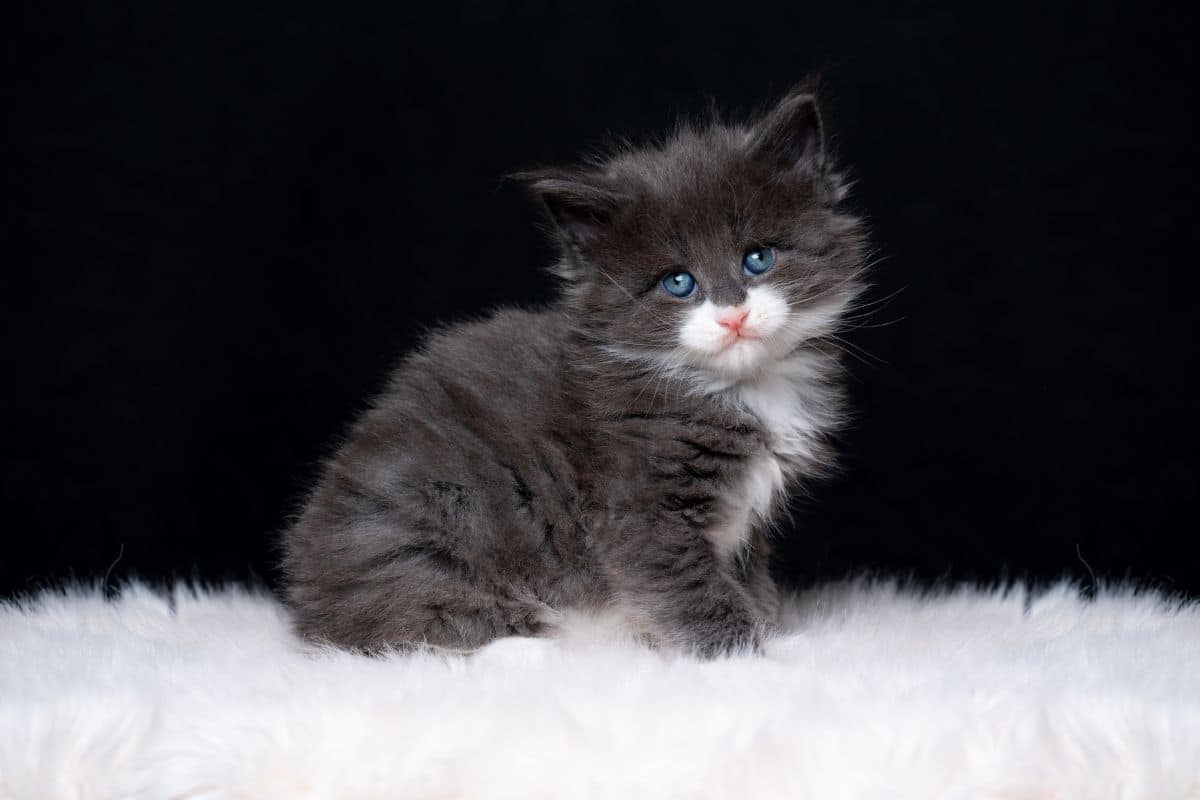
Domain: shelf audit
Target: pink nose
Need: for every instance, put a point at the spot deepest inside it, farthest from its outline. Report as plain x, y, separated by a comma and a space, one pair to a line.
733, 319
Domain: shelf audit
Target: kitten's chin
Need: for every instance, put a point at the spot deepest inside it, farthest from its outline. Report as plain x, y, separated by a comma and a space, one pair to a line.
741, 360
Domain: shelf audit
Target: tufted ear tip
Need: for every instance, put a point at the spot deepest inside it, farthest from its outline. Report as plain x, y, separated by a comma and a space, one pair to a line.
578, 203
791, 135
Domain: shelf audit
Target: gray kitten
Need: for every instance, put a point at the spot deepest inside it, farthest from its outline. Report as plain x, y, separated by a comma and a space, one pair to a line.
624, 450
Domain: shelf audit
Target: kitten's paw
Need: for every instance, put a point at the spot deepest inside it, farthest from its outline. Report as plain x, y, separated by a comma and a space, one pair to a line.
742, 639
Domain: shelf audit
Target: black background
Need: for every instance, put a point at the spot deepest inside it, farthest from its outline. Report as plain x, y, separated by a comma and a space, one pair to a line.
229, 219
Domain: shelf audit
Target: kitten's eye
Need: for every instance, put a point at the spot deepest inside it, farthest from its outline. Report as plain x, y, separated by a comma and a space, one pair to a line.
680, 284
758, 260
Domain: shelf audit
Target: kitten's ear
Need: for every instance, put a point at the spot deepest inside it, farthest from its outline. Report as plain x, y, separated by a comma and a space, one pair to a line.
579, 204
790, 136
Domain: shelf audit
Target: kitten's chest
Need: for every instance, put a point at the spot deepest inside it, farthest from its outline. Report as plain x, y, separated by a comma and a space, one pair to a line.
785, 405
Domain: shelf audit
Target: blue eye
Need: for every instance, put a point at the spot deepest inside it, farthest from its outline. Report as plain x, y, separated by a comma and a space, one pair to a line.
680, 284
758, 260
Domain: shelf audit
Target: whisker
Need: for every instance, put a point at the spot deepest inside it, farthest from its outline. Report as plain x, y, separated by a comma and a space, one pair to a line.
851, 325
873, 306
866, 357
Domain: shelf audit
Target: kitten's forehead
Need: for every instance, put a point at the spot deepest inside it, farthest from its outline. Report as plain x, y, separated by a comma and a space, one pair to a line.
703, 184
691, 162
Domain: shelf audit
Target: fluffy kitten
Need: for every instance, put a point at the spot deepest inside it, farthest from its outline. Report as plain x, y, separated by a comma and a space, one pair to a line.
624, 449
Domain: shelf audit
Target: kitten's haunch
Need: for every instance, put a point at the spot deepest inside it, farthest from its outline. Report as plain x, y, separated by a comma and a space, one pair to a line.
625, 449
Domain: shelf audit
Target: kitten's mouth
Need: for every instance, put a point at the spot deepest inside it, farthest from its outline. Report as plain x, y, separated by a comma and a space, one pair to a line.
739, 338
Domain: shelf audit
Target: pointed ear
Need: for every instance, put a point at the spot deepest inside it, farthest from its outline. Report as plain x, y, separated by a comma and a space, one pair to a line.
578, 203
790, 136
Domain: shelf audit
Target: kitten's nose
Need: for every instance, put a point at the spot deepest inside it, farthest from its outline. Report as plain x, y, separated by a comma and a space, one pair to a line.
733, 318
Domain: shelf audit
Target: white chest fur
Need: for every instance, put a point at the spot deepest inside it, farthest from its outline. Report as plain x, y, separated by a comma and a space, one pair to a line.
789, 403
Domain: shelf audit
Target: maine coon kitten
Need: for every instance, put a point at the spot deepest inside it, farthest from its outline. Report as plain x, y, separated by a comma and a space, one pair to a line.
624, 449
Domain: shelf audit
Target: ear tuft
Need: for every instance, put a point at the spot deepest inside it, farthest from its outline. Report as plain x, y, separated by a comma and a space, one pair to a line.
790, 136
579, 204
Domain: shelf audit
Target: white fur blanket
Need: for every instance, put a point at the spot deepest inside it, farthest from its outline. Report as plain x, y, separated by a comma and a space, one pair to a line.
874, 693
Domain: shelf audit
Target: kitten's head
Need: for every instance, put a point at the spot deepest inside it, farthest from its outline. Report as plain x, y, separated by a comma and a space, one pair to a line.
718, 253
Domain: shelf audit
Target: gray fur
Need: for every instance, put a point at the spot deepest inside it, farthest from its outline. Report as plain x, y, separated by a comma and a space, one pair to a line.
515, 467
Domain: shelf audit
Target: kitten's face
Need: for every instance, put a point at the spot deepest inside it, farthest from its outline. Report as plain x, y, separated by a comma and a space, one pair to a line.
718, 254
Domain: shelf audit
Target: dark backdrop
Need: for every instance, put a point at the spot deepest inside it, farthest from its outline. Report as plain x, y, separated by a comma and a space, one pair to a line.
228, 219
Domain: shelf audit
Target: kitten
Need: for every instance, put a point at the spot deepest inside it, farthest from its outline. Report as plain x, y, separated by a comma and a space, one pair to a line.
623, 450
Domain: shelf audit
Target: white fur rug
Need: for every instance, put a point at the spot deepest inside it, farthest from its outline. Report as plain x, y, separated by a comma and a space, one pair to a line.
875, 693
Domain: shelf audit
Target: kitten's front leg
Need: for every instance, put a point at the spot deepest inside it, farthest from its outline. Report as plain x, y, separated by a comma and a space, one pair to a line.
674, 578
754, 572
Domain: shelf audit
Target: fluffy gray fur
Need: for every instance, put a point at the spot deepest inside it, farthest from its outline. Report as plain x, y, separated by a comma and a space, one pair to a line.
572, 457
